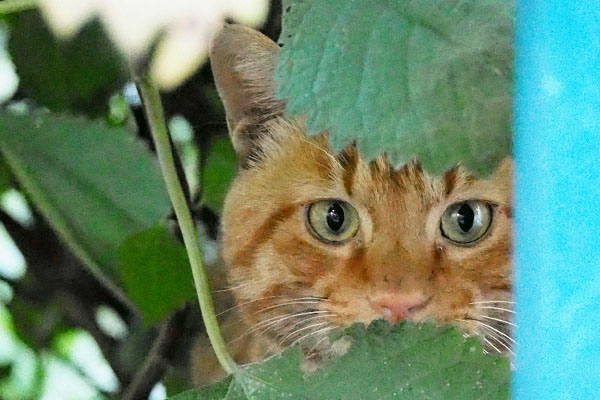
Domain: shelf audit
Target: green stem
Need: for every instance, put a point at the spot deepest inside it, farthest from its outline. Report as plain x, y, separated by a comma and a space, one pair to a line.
12, 6
156, 120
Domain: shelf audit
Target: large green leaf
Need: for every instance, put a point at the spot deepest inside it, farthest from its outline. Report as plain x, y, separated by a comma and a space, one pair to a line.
405, 361
218, 172
156, 272
5, 178
422, 78
217, 391
79, 74
95, 184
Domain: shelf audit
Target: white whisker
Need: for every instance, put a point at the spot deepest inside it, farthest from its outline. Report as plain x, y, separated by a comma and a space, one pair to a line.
492, 301
499, 309
501, 342
492, 328
314, 348
499, 320
303, 320
247, 302
507, 347
285, 317
283, 339
290, 303
267, 324
491, 344
232, 288
329, 328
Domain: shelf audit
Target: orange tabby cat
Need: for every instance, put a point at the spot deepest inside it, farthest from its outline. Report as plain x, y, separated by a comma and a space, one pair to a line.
315, 240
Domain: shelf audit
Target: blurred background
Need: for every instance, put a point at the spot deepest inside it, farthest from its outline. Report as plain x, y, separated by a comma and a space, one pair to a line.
66, 331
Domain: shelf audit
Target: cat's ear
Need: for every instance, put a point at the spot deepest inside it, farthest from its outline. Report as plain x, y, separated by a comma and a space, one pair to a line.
243, 65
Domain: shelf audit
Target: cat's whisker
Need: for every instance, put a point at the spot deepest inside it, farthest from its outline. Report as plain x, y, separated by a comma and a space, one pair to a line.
500, 341
492, 301
489, 331
498, 320
289, 303
258, 327
492, 328
317, 332
295, 332
279, 318
507, 347
304, 320
247, 302
499, 309
232, 288
485, 339
269, 323
314, 348
265, 324
270, 297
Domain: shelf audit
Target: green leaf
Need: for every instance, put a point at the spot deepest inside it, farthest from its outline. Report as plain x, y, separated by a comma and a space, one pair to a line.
431, 79
217, 391
79, 74
218, 172
5, 177
118, 110
156, 273
405, 361
96, 185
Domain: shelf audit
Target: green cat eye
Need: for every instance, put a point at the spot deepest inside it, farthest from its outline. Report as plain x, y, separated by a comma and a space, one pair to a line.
466, 222
332, 221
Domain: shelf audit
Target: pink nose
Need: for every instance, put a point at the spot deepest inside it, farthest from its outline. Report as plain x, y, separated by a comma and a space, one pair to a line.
396, 307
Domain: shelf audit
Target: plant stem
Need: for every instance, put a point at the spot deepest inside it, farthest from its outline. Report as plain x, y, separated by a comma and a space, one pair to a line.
12, 6
160, 135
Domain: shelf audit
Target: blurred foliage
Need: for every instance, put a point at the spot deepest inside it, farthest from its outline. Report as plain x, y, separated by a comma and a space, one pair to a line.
156, 273
217, 173
78, 75
77, 146
5, 177
118, 110
96, 184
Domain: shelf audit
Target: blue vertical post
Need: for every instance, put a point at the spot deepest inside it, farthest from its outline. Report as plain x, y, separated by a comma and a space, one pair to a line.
557, 176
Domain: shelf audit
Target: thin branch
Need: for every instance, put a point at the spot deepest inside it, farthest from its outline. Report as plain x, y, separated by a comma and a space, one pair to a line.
160, 356
158, 128
13, 6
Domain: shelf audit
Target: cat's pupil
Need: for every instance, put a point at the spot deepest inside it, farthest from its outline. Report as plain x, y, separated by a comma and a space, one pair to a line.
335, 217
465, 217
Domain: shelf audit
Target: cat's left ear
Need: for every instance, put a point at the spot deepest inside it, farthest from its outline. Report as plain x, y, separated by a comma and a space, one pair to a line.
243, 65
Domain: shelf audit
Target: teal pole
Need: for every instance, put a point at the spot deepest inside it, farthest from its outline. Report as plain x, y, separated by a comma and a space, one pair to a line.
557, 199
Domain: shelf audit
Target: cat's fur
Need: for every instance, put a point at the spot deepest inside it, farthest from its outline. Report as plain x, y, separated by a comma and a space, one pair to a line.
288, 284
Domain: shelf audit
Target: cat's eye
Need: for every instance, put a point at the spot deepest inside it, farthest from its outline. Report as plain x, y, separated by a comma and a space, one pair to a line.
333, 221
466, 222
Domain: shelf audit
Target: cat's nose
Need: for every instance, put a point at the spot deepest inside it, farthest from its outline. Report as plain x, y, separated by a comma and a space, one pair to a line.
397, 307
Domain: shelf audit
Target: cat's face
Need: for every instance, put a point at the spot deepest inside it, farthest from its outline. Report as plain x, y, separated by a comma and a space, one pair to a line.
316, 240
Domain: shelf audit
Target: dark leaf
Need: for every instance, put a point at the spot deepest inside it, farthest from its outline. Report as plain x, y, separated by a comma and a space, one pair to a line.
96, 185
79, 74
218, 172
156, 272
